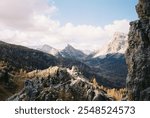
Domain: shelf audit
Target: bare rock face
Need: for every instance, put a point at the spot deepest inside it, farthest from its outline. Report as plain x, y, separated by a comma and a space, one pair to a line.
138, 54
143, 9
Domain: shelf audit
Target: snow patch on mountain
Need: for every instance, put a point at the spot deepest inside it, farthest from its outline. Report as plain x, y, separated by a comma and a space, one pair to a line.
119, 44
48, 49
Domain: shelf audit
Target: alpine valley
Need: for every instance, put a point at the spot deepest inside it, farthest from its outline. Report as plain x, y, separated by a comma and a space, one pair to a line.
46, 73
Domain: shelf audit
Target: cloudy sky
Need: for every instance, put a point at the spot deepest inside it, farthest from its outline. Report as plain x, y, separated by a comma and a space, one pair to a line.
85, 24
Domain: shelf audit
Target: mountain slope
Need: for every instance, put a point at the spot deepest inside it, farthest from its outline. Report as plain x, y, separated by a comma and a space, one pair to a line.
15, 61
57, 84
18, 60
25, 58
50, 50
117, 45
112, 68
71, 52
110, 61
20, 57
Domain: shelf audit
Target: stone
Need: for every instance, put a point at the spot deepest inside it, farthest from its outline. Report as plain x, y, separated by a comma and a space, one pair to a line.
143, 9
145, 94
59, 86
138, 54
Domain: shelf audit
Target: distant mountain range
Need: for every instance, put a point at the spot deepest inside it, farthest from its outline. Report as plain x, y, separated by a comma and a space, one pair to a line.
118, 44
109, 71
108, 61
68, 52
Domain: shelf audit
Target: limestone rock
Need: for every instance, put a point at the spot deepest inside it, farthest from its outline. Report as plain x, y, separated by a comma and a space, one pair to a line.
138, 54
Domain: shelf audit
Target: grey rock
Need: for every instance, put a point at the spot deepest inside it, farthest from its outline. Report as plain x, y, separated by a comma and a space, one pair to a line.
145, 94
102, 97
138, 54
61, 86
143, 8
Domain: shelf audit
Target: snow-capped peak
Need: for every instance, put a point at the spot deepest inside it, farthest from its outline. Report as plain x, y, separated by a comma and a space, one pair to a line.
117, 45
48, 49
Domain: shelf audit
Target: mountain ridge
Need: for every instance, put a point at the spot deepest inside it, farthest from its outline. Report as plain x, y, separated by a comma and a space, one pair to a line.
70, 52
50, 50
21, 60
63, 84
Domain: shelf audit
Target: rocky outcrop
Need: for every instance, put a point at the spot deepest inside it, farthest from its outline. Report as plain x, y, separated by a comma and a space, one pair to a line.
143, 9
56, 83
138, 54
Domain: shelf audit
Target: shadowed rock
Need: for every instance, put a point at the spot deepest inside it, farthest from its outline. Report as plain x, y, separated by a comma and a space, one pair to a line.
138, 54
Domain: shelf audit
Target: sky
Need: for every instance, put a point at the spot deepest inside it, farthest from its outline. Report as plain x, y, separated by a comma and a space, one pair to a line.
85, 24
95, 12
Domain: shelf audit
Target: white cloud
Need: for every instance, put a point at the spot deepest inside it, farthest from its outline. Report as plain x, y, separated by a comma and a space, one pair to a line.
117, 26
20, 13
29, 22
87, 36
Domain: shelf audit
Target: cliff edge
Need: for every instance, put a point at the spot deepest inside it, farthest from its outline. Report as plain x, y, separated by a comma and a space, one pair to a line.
138, 54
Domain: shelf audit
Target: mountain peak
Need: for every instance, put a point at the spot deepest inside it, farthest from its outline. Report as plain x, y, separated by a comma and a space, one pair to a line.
71, 52
117, 45
48, 49
46, 46
68, 47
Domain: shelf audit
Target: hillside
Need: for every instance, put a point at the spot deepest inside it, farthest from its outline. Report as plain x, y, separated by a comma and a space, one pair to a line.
16, 61
113, 67
25, 58
50, 50
109, 61
19, 57
61, 84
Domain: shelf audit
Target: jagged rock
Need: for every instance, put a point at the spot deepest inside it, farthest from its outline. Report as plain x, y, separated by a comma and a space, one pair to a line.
58, 84
145, 94
70, 52
102, 97
138, 54
90, 95
143, 9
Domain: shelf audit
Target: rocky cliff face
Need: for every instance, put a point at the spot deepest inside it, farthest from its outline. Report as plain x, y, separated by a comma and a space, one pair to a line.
138, 54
